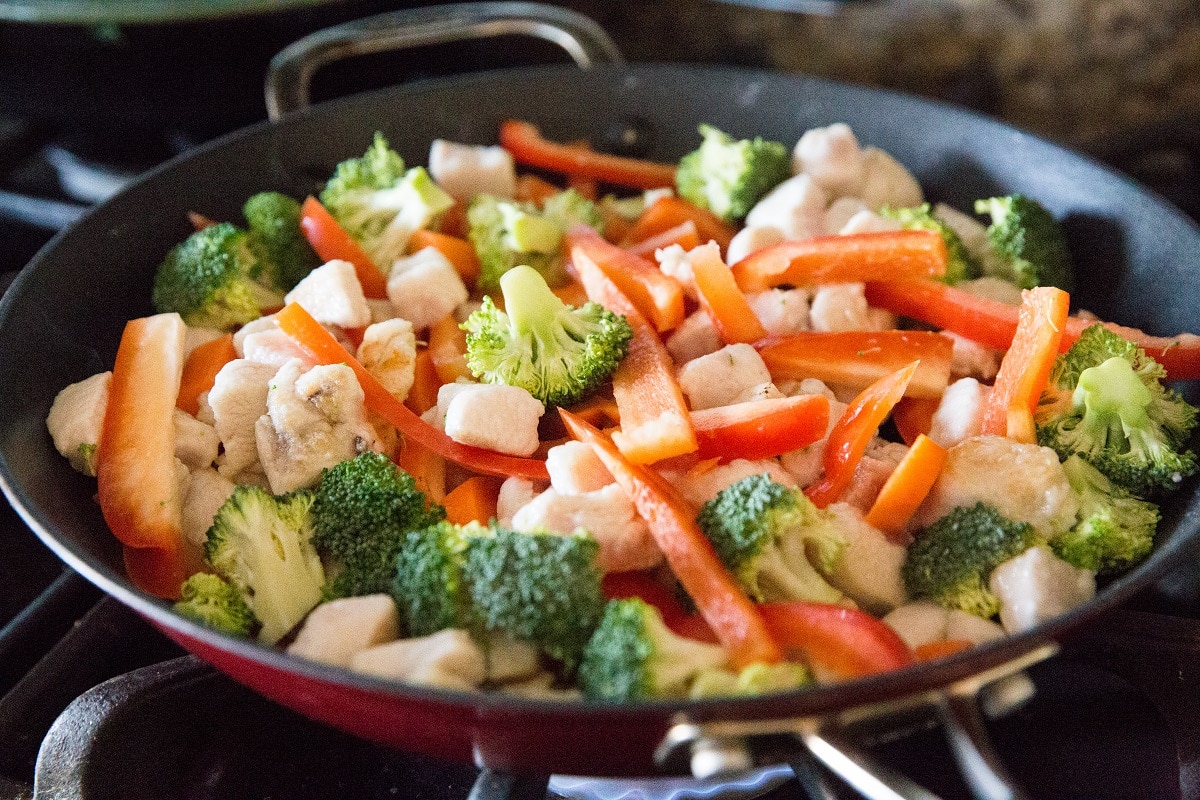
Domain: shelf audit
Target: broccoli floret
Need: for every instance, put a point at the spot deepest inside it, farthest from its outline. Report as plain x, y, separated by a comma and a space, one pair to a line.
634, 655
263, 546
1115, 530
380, 204
556, 352
214, 602
1028, 246
215, 279
769, 536
951, 560
364, 509
275, 231
429, 587
728, 176
537, 587
1106, 403
569, 208
960, 265
753, 680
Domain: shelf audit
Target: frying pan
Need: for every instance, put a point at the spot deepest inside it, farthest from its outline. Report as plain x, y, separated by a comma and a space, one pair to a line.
61, 321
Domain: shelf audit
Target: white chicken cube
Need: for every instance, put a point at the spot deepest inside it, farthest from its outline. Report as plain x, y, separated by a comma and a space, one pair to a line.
514, 493
274, 347
448, 659
918, 623
673, 262
315, 419
840, 307
970, 628
237, 399
511, 660
207, 491
841, 211
381, 310
575, 468
465, 170
959, 414
425, 287
196, 444
698, 487
970, 359
195, 336
831, 156
696, 336
718, 378
887, 182
495, 417
795, 207
869, 567
436, 416
607, 514
867, 221
1038, 585
266, 323
763, 391
970, 230
332, 294
751, 239
76, 419
333, 632
781, 311
389, 352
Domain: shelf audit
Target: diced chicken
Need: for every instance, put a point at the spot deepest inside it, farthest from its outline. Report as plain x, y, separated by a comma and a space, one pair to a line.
495, 417
806, 465
718, 378
436, 416
273, 347
335, 631
869, 477
970, 628
869, 567
970, 230
763, 391
751, 239
970, 359
831, 156
700, 486
575, 468
673, 262
795, 207
207, 491
238, 398
315, 419
992, 289
842, 307
1024, 482
425, 287
607, 514
696, 336
266, 323
381, 310
888, 182
781, 311
922, 622
509, 660
867, 221
196, 444
841, 211
76, 419
448, 659
389, 352
959, 414
652, 196
514, 493
465, 170
193, 337
332, 294
1038, 585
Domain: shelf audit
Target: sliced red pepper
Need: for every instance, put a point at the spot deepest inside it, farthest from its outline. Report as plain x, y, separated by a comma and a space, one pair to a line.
845, 641
885, 256
721, 298
527, 146
448, 349
324, 349
658, 296
200, 371
906, 488
761, 428
331, 241
685, 235
850, 436
672, 522
669, 212
913, 416
644, 586
858, 358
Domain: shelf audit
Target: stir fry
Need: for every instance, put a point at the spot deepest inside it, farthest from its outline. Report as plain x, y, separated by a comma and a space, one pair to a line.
546, 421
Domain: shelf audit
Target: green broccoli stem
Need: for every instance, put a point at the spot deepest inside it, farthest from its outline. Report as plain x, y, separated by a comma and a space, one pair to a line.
1113, 391
532, 308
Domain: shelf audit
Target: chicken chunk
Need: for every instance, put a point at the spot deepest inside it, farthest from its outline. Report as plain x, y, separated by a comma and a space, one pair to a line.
673, 262
315, 419
238, 398
575, 468
888, 182
959, 414
196, 336
970, 230
923, 622
207, 491
1038, 585
970, 359
448, 659
718, 378
273, 346
335, 631
700, 486
514, 493
266, 323
510, 660
841, 211
389, 352
781, 311
751, 239
495, 417
425, 287
76, 419
196, 444
696, 336
465, 170
831, 156
869, 567
867, 221
795, 207
841, 307
332, 294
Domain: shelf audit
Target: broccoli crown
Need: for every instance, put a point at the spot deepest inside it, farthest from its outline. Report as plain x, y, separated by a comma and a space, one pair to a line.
634, 655
536, 587
951, 560
380, 204
1029, 245
768, 535
215, 279
216, 603
728, 176
1115, 530
262, 545
961, 265
554, 351
363, 510
429, 587
569, 208
1107, 404
275, 232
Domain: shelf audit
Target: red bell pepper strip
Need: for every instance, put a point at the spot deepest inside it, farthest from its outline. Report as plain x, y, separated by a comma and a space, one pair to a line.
473, 500
850, 436
527, 146
761, 428
331, 241
913, 416
658, 296
1009, 409
906, 487
655, 423
858, 358
532, 189
932, 651
666, 213
672, 522
644, 586
845, 641
448, 349
685, 235
459, 252
324, 349
721, 298
885, 256
200, 371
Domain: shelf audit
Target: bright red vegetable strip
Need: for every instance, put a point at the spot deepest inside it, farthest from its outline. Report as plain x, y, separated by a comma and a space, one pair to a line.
527, 146
666, 213
320, 344
721, 298
761, 428
906, 487
200, 371
685, 235
658, 296
672, 522
645, 587
331, 241
850, 436
848, 642
886, 256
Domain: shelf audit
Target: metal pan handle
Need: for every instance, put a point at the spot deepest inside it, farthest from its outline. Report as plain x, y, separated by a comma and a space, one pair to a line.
291, 70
